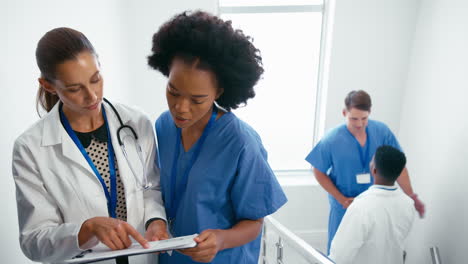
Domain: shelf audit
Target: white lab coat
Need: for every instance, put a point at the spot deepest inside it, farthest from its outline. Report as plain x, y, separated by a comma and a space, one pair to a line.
56, 189
374, 228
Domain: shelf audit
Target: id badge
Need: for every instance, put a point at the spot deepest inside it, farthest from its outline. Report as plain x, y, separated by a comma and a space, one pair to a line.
363, 178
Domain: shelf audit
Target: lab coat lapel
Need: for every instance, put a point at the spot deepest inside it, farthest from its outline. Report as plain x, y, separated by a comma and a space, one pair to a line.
54, 136
73, 153
54, 133
125, 172
114, 125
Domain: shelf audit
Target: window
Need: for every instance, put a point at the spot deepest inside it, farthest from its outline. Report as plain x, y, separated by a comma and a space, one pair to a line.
288, 35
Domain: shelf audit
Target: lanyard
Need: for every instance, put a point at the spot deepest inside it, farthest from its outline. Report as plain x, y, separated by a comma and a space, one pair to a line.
180, 187
363, 154
112, 196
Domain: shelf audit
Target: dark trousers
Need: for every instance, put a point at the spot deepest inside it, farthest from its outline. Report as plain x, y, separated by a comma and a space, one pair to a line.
121, 260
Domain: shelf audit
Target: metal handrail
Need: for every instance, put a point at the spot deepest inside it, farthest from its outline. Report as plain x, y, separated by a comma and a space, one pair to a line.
435, 255
310, 254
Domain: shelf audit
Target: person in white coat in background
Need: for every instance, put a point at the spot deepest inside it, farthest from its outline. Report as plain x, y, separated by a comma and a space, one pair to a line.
377, 223
76, 184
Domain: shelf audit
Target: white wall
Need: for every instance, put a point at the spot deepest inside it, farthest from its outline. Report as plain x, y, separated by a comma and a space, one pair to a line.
370, 51
434, 127
306, 213
121, 33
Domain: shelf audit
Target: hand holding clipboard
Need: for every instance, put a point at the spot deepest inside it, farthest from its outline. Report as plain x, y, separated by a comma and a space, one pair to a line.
102, 252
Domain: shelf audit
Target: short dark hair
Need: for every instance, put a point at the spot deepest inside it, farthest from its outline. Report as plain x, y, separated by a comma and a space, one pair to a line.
227, 52
358, 99
389, 162
55, 47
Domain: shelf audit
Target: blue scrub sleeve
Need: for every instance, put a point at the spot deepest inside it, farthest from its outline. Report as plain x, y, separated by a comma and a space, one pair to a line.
320, 157
255, 192
391, 140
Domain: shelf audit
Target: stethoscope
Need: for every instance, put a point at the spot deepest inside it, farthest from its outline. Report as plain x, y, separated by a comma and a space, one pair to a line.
133, 137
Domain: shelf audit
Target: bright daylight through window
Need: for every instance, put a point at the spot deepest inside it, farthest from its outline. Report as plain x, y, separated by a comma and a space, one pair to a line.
288, 34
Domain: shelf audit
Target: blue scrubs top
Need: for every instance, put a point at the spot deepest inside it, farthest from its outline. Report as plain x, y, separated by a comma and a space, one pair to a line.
230, 181
337, 155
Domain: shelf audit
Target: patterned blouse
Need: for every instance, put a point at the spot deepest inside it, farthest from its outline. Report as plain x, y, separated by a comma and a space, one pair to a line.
95, 144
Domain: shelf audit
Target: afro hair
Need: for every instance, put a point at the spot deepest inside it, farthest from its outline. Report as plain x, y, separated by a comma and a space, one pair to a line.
228, 53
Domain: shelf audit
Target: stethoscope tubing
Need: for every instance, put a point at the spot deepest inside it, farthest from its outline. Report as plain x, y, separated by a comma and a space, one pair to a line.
146, 184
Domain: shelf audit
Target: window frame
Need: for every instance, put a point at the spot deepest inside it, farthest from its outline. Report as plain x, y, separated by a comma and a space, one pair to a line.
327, 10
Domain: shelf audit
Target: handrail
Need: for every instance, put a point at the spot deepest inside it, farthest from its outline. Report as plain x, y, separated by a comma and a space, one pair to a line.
309, 253
435, 256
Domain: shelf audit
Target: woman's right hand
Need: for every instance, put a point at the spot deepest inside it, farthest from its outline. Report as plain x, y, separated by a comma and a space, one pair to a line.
112, 232
346, 201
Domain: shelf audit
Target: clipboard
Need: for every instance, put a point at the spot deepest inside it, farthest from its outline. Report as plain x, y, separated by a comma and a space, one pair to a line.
102, 252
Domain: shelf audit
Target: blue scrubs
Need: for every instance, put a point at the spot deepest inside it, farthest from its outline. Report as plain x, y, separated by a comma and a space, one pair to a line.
230, 181
338, 156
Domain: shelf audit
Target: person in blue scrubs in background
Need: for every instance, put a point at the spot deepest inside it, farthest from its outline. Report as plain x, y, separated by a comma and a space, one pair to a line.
215, 177
341, 158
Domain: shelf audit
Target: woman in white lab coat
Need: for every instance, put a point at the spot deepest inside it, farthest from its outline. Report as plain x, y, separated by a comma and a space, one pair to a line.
70, 196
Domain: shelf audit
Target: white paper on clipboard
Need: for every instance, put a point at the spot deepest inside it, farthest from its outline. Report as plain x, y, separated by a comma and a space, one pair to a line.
102, 252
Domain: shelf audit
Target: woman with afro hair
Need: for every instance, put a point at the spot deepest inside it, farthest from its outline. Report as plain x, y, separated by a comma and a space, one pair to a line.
215, 177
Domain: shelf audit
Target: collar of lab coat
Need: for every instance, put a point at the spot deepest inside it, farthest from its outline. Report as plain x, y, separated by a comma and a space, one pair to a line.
54, 133
384, 188
380, 190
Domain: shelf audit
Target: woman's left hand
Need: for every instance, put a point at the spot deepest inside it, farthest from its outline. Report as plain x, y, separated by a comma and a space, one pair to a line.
209, 242
157, 230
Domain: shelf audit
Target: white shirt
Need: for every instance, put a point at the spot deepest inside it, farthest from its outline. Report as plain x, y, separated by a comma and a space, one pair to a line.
374, 228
